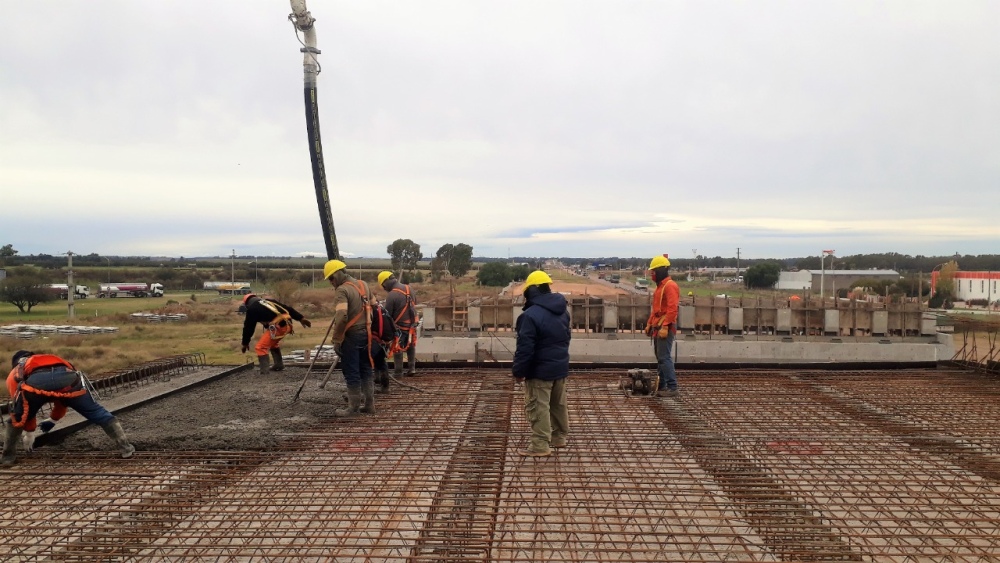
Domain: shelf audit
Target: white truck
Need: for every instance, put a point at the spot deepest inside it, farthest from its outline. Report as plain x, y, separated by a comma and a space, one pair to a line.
228, 288
62, 290
130, 290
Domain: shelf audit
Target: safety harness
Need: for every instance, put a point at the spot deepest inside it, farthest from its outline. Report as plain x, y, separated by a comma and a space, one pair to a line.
408, 309
365, 313
409, 327
45, 375
281, 320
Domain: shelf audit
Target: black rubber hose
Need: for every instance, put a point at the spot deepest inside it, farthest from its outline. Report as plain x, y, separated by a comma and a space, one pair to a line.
319, 174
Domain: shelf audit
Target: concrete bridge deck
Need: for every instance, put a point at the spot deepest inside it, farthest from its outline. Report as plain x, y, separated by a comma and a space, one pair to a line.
746, 465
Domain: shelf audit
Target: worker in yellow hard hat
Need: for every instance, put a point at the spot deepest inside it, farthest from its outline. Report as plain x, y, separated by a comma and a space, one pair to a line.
352, 337
541, 361
401, 304
662, 323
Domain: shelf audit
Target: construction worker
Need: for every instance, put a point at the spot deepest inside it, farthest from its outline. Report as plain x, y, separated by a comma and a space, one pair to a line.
37, 379
662, 324
401, 305
277, 321
541, 361
352, 337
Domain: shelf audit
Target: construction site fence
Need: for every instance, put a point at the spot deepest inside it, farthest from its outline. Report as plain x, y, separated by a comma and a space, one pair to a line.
699, 315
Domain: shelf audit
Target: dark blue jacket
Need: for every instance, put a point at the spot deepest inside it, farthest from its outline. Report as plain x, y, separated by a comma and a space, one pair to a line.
543, 339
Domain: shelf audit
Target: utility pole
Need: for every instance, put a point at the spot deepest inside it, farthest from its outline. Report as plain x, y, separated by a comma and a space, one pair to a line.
70, 287
232, 268
737, 261
822, 270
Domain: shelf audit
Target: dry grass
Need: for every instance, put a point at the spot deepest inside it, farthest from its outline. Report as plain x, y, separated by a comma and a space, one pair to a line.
212, 328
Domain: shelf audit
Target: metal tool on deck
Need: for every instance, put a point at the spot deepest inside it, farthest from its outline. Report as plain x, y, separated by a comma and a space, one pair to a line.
640, 382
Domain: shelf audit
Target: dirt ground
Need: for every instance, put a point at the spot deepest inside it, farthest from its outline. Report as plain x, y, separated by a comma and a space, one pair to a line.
574, 288
243, 411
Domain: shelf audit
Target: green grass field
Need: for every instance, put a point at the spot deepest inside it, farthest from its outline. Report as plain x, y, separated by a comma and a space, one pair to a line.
213, 328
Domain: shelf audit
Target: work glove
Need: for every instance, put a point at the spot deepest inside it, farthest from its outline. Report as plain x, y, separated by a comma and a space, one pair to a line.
666, 330
244, 348
338, 349
46, 425
306, 323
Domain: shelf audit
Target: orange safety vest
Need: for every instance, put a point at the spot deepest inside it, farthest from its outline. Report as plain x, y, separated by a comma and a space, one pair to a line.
664, 306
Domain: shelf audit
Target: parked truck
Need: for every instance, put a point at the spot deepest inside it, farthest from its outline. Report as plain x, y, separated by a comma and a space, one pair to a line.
62, 291
130, 290
229, 288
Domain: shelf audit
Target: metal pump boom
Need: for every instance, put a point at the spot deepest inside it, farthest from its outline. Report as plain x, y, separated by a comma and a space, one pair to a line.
304, 24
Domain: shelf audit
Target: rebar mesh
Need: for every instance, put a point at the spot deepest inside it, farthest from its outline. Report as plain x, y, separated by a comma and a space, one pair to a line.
743, 466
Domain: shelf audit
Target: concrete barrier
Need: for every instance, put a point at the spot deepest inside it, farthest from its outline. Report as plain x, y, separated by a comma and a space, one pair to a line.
616, 348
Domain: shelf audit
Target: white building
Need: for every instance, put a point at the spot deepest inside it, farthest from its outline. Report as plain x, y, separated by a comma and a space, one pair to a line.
830, 280
794, 281
972, 285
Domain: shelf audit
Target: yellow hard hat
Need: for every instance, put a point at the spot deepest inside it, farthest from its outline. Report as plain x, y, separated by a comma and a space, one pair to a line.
659, 261
332, 267
690, 293
537, 277
382, 276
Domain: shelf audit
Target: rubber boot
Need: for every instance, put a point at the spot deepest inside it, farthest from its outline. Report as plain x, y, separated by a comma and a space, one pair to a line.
115, 431
265, 364
368, 387
279, 362
10, 438
397, 365
353, 402
383, 380
411, 368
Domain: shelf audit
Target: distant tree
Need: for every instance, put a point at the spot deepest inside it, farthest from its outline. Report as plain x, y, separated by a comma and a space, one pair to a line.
461, 260
912, 286
439, 264
946, 280
494, 274
412, 277
881, 286
22, 288
456, 259
6, 251
191, 280
405, 254
761, 276
285, 291
519, 273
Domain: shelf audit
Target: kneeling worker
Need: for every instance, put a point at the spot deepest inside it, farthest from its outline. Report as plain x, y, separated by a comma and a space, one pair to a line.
37, 379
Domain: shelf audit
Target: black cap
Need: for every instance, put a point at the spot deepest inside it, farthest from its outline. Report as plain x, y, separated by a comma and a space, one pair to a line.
18, 355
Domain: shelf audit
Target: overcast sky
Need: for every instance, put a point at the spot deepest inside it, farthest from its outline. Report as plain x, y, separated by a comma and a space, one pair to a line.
536, 128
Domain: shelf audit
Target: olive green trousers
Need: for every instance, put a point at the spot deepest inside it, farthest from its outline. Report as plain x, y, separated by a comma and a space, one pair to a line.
545, 409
